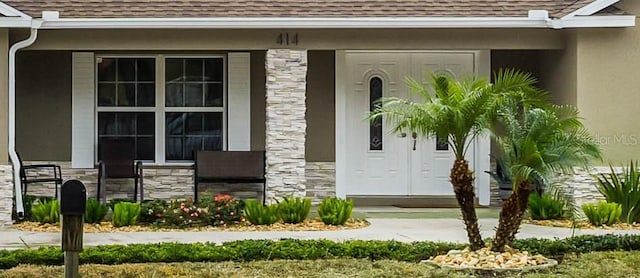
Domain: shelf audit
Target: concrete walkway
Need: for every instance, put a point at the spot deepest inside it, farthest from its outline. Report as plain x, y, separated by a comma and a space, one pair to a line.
406, 230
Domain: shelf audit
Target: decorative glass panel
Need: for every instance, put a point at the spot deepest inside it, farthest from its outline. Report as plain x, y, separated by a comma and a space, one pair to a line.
139, 125
375, 126
191, 131
441, 144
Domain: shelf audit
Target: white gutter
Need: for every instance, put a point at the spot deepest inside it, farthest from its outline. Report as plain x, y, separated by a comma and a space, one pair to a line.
313, 23
12, 112
596, 21
295, 22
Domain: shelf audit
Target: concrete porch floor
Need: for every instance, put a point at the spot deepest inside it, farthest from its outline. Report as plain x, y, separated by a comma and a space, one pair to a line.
398, 212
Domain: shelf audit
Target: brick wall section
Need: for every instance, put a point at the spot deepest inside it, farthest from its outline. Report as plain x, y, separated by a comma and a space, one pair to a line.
286, 71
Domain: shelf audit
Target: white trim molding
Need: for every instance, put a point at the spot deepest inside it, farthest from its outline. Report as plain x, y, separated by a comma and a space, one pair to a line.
9, 11
592, 8
239, 101
315, 23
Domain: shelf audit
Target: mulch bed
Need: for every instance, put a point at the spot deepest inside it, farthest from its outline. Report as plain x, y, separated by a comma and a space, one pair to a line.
107, 227
581, 225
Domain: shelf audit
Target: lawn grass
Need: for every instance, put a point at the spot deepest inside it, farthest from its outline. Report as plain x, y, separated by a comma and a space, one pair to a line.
599, 264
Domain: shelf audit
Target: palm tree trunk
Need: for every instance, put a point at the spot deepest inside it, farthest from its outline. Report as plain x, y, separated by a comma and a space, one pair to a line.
511, 216
462, 181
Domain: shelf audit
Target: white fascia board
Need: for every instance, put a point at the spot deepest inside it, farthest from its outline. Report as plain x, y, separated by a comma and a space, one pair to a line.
596, 21
9, 11
303, 23
592, 8
15, 22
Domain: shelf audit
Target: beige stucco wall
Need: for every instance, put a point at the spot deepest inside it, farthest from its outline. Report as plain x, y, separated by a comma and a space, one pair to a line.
608, 87
43, 105
555, 70
4, 96
258, 102
43, 119
558, 71
308, 39
320, 140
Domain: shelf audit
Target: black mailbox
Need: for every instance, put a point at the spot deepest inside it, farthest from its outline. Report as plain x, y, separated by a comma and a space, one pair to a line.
73, 198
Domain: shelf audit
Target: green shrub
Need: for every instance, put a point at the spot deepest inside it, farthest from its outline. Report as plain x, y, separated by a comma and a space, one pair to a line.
184, 213
294, 210
112, 203
334, 211
27, 202
258, 214
46, 211
623, 190
602, 214
547, 206
151, 211
294, 249
225, 210
95, 211
125, 214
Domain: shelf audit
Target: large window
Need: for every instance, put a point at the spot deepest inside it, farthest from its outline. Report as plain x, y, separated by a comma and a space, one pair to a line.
179, 111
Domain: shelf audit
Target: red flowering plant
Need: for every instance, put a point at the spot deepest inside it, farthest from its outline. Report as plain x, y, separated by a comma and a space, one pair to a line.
184, 213
225, 211
152, 210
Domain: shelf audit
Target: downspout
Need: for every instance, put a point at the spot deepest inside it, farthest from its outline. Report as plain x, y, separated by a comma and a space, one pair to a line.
35, 24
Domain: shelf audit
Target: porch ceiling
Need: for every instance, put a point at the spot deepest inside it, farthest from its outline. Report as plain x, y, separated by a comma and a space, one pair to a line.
295, 8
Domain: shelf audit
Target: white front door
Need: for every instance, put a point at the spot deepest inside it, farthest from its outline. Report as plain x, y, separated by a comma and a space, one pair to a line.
380, 162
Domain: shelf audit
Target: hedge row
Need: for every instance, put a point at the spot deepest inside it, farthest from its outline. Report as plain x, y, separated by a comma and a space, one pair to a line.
251, 250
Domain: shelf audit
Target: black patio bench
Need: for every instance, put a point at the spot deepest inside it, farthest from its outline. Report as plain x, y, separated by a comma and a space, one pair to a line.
229, 167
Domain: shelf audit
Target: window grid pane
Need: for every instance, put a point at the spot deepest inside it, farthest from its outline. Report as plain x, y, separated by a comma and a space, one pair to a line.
194, 82
137, 125
191, 131
126, 82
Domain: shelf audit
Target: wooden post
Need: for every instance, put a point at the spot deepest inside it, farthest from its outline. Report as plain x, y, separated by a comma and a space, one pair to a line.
73, 198
71, 243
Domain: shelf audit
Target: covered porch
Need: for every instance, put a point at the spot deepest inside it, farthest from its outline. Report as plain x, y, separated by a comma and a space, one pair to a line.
283, 91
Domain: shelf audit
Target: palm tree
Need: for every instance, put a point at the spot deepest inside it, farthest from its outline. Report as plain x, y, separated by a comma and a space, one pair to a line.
458, 111
536, 142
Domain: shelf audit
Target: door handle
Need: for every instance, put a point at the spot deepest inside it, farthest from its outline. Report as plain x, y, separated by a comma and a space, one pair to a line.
414, 135
402, 135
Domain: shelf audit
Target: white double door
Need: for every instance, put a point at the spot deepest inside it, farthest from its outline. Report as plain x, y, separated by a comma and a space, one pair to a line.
383, 163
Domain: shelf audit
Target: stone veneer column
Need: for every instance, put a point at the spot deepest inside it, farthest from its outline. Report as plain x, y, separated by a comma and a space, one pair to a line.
6, 195
286, 71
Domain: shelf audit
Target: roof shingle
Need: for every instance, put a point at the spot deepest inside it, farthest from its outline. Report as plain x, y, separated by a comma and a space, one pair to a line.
294, 8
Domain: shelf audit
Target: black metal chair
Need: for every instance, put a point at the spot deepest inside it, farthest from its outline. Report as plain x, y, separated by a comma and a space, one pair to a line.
54, 174
117, 161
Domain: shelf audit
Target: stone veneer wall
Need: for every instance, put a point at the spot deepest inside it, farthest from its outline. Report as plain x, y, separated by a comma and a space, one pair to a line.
177, 182
321, 180
173, 183
6, 194
495, 200
582, 185
159, 183
286, 72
